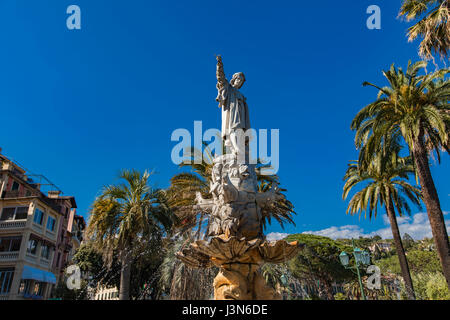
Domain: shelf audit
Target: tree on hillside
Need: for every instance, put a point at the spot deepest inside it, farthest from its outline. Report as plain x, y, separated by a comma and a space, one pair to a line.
418, 261
408, 241
319, 260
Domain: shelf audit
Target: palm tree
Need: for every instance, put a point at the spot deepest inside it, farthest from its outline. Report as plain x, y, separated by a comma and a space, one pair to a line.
122, 215
183, 188
433, 25
181, 282
384, 183
417, 108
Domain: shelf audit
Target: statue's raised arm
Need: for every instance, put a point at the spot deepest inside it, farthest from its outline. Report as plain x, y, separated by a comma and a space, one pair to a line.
220, 74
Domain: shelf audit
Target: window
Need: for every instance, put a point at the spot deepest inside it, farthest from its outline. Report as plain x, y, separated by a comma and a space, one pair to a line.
17, 213
6, 276
8, 213
21, 213
25, 286
39, 288
45, 251
15, 186
32, 246
51, 223
38, 216
10, 244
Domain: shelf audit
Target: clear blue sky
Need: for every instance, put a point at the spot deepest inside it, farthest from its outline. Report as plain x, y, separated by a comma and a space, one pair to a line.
78, 106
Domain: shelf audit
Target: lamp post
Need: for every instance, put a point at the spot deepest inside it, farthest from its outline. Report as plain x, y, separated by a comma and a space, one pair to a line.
362, 258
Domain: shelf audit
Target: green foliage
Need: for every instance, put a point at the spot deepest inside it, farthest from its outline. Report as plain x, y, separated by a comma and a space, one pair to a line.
383, 179
340, 296
376, 238
430, 286
126, 211
274, 273
180, 282
90, 261
64, 293
433, 25
147, 259
319, 259
418, 261
361, 242
411, 105
127, 222
437, 288
408, 241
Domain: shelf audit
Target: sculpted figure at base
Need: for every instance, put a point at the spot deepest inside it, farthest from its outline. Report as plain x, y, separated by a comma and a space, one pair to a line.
236, 242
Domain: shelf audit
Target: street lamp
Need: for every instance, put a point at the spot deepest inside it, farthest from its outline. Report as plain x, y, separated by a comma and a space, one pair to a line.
357, 252
362, 258
366, 258
344, 258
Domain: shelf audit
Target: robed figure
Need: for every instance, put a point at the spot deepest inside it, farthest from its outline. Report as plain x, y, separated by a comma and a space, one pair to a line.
235, 113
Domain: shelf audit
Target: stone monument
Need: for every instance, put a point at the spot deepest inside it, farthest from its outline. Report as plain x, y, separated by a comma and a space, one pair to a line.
236, 243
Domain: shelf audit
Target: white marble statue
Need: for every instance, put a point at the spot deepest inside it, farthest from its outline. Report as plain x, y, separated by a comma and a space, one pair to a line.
235, 113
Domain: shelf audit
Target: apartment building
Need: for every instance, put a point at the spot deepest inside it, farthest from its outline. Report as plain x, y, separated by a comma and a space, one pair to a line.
76, 228
34, 237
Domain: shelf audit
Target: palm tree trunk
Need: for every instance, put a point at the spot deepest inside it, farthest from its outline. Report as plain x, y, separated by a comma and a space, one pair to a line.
434, 211
125, 276
399, 247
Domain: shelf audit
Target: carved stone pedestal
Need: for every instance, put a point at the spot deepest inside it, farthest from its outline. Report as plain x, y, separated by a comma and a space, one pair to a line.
239, 263
242, 282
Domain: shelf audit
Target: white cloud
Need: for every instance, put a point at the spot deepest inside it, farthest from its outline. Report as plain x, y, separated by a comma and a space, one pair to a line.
276, 236
349, 231
416, 226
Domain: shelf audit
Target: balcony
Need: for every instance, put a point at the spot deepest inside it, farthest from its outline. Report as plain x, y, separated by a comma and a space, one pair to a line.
9, 256
30, 257
44, 262
50, 234
38, 228
12, 224
17, 194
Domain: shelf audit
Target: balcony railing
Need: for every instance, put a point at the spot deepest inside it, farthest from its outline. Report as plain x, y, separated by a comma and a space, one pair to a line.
12, 224
50, 234
4, 296
44, 262
9, 256
18, 194
30, 257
